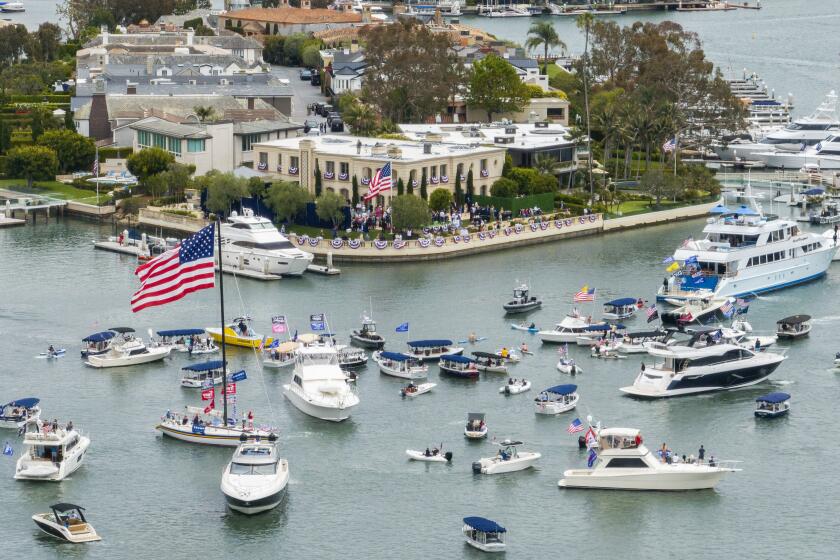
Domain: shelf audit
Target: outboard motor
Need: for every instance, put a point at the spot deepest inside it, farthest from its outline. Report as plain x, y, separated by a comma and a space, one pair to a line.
507, 389
448, 456
476, 467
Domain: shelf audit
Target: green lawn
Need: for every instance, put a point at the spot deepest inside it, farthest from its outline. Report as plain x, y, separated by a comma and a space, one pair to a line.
54, 189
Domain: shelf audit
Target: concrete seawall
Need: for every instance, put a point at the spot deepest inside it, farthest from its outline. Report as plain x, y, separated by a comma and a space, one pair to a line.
663, 216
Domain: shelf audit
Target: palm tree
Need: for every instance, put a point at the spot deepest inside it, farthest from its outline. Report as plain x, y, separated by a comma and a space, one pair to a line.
203, 113
546, 163
584, 22
542, 34
606, 121
362, 118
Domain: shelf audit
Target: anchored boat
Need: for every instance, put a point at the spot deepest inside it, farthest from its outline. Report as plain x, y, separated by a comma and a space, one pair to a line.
239, 333
66, 522
772, 405
19, 413
256, 478
203, 375
522, 301
52, 452
508, 459
458, 366
557, 399
429, 350
367, 337
484, 534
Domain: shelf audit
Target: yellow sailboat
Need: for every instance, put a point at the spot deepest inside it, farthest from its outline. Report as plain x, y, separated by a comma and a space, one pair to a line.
238, 333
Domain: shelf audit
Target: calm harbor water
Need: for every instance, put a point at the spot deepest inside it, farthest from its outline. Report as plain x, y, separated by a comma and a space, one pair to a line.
353, 494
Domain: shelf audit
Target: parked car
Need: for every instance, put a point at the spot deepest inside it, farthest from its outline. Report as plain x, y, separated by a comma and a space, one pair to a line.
337, 125
305, 74
310, 124
333, 115
315, 80
325, 109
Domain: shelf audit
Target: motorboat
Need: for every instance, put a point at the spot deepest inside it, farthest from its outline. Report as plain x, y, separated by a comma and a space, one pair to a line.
620, 309
795, 326
429, 350
476, 427
568, 365
415, 390
349, 357
239, 333
203, 375
458, 366
434, 455
749, 338
684, 370
484, 534
508, 356
256, 478
206, 426
634, 342
66, 522
607, 350
592, 334
557, 399
400, 365
507, 459
522, 301
698, 312
745, 252
191, 341
515, 386
279, 355
367, 337
253, 243
772, 405
525, 326
318, 386
489, 362
18, 413
10, 7
508, 12
97, 343
824, 156
127, 350
622, 462
572, 326
52, 452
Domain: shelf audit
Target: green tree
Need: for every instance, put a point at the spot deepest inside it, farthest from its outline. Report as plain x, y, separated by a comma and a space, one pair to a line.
69, 124
44, 43
13, 42
659, 185
148, 162
355, 194
542, 34
508, 165
287, 199
547, 163
310, 56
495, 87
459, 192
222, 190
400, 187
318, 186
171, 182
470, 185
293, 47
5, 136
523, 177
409, 212
361, 118
424, 194
410, 188
504, 188
440, 200
330, 207
204, 113
543, 183
41, 119
273, 49
74, 151
584, 22
33, 163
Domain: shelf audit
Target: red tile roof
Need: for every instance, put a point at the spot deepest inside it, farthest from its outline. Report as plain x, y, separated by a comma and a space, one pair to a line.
294, 15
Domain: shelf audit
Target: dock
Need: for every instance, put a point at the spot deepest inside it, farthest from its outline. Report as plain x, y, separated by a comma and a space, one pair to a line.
9, 222
115, 247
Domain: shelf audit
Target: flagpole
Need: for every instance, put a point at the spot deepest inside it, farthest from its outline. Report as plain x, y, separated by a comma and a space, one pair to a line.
222, 314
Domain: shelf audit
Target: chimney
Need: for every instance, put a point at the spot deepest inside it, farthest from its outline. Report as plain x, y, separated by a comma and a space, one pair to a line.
100, 125
346, 51
104, 30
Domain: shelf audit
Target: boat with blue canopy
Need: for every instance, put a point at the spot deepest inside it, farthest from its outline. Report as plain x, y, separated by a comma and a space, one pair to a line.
484, 534
400, 365
192, 341
772, 405
97, 343
432, 349
621, 308
19, 412
458, 366
203, 375
557, 399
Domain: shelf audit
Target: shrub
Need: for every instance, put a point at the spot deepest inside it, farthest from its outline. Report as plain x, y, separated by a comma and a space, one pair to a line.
504, 188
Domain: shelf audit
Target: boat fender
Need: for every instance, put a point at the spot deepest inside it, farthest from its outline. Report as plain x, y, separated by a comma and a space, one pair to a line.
272, 437
243, 437
476, 467
448, 456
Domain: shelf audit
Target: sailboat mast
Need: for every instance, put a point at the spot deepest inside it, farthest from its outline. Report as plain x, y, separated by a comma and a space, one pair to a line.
222, 313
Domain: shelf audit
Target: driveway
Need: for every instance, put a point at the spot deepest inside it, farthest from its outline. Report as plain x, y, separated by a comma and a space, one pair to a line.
304, 93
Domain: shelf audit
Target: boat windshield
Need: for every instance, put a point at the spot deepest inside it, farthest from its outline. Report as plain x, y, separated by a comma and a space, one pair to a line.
243, 469
267, 245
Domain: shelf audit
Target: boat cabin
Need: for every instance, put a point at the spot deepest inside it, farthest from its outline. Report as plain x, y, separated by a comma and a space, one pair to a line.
429, 349
772, 405
793, 326
183, 337
561, 394
50, 444
241, 326
489, 359
484, 534
619, 438
475, 421
203, 375
20, 410
281, 352
368, 327
351, 357
621, 308
255, 458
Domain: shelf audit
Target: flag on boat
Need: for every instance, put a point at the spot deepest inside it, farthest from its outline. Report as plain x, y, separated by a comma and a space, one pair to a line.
728, 308
231, 389
274, 344
380, 182
590, 437
262, 344
673, 267
208, 394
294, 338
317, 322
209, 407
575, 427
743, 306
686, 317
670, 145
180, 271
402, 328
585, 294
652, 313
691, 260
278, 324
592, 458
7, 450
696, 273
668, 260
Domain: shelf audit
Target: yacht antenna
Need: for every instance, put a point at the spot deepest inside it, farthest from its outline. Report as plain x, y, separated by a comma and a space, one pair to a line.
222, 308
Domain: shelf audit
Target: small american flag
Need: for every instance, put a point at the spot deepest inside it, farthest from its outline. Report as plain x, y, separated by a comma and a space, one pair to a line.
670, 145
585, 294
96, 165
652, 313
575, 427
381, 181
180, 271
727, 308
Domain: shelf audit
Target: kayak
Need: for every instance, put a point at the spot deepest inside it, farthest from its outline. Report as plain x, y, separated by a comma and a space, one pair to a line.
479, 339
421, 456
526, 328
515, 389
51, 356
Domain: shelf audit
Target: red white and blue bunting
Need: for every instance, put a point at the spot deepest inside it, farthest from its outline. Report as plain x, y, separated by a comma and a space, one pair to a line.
380, 244
354, 243
399, 244
439, 241
423, 242
337, 243
313, 241
302, 239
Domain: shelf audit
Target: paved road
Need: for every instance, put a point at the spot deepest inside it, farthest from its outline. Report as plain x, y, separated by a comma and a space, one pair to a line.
304, 92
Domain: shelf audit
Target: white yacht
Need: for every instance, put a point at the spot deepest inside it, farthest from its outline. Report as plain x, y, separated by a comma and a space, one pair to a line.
9, 7
745, 252
507, 459
127, 350
253, 243
206, 426
683, 370
255, 480
53, 452
825, 155
189, 341
572, 326
624, 463
318, 386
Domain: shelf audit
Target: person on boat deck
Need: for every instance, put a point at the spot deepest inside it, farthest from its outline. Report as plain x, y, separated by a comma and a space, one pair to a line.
472, 338
638, 440
511, 381
243, 328
428, 453
701, 453
196, 420
69, 425
532, 325
51, 350
504, 353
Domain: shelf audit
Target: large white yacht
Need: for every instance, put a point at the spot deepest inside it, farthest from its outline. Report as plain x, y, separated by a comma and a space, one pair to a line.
685, 370
255, 479
253, 243
745, 252
53, 453
624, 463
825, 155
318, 386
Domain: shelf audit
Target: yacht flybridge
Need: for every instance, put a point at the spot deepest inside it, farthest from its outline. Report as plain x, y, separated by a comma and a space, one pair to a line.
254, 243
745, 252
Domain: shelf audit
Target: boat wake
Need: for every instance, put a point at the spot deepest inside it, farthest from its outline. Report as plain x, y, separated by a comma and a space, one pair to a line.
783, 382
826, 319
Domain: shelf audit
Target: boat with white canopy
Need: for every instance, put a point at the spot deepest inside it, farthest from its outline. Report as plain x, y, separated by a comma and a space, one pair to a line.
127, 350
350, 357
484, 534
203, 375
490, 362
191, 341
557, 399
279, 354
400, 365
20, 412
795, 326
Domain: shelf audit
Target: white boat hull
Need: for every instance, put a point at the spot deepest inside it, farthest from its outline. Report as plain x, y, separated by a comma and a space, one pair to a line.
42, 470
212, 435
477, 434
421, 389
525, 460
421, 456
251, 497
329, 413
638, 479
107, 361
558, 338
515, 389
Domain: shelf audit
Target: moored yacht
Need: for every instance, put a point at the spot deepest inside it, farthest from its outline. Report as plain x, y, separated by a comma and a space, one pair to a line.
572, 326
318, 387
206, 426
254, 243
430, 350
97, 343
256, 478
127, 350
53, 452
400, 365
823, 156
191, 341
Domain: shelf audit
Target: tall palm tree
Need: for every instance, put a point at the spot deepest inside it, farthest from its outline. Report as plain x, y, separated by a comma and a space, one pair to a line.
362, 118
584, 22
542, 34
606, 121
547, 163
203, 113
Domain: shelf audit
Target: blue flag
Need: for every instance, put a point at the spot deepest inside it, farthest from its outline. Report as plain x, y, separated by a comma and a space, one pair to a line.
667, 260
691, 260
7, 450
402, 328
592, 458
317, 322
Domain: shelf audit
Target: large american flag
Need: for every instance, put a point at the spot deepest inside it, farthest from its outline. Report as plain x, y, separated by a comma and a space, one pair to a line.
585, 294
575, 427
180, 271
381, 182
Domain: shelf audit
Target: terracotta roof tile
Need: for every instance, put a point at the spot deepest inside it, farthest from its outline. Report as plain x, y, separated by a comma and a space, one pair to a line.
294, 15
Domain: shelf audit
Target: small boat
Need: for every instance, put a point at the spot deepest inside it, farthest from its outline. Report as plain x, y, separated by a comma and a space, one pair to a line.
568, 365
318, 386
795, 326
126, 350
427, 350
200, 425
191, 341
620, 309
525, 326
239, 333
203, 375
66, 522
697, 312
758, 342
367, 337
458, 366
557, 399
567, 330
430, 456
279, 355
508, 459
97, 343
400, 365
607, 351
508, 356
472, 339
411, 390
490, 362
19, 413
522, 301
255, 480
515, 386
602, 331
349, 357
634, 342
484, 534
772, 405
53, 354
53, 452
476, 428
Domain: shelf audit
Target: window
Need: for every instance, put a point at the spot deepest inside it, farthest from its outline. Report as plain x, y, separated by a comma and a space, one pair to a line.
263, 158
555, 112
330, 167
344, 168
293, 162
626, 463
195, 145
247, 140
174, 145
